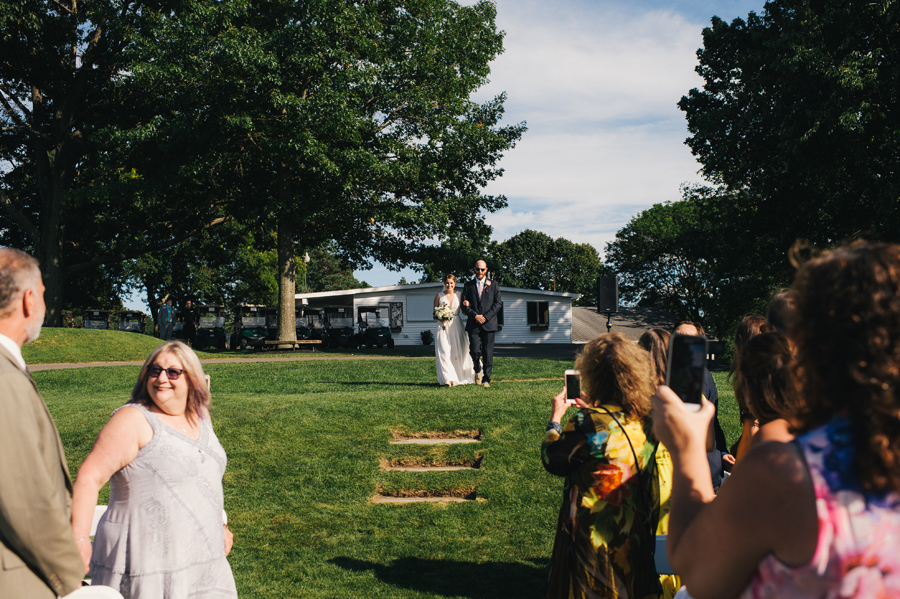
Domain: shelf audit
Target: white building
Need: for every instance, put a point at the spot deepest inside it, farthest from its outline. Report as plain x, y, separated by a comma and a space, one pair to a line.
529, 315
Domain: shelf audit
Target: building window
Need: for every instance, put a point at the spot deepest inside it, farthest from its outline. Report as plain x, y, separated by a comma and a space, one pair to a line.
538, 314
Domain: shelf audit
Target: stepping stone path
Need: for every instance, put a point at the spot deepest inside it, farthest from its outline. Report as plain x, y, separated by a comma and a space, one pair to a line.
425, 440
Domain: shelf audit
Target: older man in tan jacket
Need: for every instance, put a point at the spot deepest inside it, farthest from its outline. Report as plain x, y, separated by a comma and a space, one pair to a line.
38, 556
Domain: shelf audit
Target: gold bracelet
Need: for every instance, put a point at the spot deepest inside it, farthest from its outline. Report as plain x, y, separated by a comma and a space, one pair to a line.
82, 539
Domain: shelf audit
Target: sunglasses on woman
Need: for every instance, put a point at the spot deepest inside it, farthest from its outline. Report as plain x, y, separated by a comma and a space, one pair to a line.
173, 373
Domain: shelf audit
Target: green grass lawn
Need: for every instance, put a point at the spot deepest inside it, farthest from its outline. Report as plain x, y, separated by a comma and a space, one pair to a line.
305, 442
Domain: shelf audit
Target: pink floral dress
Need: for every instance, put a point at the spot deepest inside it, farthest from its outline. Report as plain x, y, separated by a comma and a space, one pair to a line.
858, 551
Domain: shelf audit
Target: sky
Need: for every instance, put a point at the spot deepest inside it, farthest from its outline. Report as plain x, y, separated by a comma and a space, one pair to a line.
597, 82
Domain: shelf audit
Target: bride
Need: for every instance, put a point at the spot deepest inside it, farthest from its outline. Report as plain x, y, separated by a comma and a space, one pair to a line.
451, 347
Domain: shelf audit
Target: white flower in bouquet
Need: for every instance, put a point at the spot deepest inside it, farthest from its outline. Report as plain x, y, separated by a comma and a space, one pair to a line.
444, 314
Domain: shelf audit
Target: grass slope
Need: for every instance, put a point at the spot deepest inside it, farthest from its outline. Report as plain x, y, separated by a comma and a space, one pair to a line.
305, 442
78, 346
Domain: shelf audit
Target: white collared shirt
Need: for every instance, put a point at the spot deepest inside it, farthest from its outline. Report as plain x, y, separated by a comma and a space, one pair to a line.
13, 348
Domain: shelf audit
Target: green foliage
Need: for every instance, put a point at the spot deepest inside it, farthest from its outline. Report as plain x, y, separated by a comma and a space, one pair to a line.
698, 258
70, 189
797, 123
534, 260
326, 271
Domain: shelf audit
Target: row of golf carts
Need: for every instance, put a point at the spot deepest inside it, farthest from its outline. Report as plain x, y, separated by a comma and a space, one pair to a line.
254, 325
333, 326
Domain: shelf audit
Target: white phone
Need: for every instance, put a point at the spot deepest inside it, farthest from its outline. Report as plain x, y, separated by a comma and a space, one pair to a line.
573, 385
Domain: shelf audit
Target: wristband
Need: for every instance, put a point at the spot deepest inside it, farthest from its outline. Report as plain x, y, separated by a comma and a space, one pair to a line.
554, 426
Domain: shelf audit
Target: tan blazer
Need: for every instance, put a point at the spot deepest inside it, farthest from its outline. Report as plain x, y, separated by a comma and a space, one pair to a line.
38, 556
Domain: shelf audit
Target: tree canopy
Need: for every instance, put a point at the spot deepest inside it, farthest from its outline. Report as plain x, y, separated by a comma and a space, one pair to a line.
534, 260
797, 129
799, 108
319, 121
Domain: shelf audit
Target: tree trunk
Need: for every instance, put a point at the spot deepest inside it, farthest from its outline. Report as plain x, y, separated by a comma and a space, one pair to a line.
153, 304
287, 280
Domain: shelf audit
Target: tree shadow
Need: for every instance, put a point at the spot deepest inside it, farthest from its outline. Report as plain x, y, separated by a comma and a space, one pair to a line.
458, 579
384, 383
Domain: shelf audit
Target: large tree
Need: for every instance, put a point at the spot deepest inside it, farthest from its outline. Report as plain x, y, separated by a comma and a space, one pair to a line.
340, 121
69, 191
799, 107
534, 260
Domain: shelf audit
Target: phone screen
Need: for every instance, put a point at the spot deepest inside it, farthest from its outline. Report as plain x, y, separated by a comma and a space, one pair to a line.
573, 384
686, 366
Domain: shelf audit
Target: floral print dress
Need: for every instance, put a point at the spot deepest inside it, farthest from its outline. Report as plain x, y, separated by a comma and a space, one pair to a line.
858, 550
608, 519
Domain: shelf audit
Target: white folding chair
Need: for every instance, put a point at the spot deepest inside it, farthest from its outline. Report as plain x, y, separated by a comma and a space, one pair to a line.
97, 592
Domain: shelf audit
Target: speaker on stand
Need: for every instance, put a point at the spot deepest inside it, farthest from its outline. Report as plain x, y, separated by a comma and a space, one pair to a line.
607, 298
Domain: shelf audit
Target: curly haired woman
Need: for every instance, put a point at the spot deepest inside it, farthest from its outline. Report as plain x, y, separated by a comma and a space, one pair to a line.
819, 517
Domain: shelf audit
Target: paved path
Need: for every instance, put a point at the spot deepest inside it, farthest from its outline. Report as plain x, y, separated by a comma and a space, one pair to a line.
551, 351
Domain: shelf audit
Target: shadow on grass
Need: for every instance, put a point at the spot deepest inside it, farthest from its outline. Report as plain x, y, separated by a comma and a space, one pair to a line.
383, 383
458, 579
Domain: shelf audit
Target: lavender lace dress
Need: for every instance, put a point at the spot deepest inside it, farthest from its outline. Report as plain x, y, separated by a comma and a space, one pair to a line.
162, 536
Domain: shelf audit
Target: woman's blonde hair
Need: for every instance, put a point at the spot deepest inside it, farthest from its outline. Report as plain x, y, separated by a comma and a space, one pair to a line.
198, 393
614, 370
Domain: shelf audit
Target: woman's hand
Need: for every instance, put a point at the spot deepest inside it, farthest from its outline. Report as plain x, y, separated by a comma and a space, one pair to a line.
559, 405
678, 428
229, 540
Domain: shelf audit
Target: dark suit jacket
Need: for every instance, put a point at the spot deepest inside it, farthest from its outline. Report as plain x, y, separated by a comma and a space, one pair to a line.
488, 305
714, 457
38, 556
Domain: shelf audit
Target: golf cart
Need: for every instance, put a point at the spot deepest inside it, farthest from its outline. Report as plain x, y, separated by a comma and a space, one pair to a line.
302, 324
315, 321
96, 319
133, 321
249, 327
339, 330
374, 326
271, 322
210, 327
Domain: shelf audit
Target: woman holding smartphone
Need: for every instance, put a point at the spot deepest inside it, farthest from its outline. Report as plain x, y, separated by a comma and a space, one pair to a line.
607, 521
819, 517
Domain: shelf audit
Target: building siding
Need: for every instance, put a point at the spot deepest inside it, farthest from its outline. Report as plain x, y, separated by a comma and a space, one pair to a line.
421, 297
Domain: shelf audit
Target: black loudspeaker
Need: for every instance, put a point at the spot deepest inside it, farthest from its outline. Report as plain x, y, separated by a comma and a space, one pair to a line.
607, 295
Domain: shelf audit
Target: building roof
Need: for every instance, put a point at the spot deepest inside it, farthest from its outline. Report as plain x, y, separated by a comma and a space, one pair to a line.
587, 324
417, 286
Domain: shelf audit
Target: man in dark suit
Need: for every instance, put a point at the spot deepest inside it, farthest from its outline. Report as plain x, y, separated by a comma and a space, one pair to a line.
481, 304
38, 554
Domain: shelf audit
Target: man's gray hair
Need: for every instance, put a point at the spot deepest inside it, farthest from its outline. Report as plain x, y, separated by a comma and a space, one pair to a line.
18, 272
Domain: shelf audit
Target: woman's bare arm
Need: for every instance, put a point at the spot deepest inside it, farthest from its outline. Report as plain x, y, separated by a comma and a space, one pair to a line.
767, 506
116, 446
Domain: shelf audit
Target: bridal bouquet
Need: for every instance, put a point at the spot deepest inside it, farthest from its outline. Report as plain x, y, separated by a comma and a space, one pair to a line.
444, 314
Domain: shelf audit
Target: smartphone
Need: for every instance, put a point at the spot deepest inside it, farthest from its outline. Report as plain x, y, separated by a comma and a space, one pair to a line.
573, 385
686, 367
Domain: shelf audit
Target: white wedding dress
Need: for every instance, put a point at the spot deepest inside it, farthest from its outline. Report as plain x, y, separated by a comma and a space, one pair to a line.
451, 346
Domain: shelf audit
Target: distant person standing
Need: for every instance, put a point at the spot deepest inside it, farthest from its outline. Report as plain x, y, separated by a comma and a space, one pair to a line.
189, 318
166, 320
38, 555
482, 304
